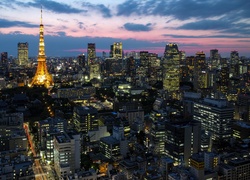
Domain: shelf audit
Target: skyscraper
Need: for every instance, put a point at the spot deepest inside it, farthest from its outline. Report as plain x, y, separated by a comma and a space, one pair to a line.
200, 71
171, 70
23, 56
154, 69
42, 76
4, 57
116, 50
234, 57
144, 63
214, 58
131, 66
234, 63
223, 85
91, 52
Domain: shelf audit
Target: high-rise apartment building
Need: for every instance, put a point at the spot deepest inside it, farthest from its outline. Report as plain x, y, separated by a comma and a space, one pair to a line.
171, 70
91, 53
23, 53
216, 117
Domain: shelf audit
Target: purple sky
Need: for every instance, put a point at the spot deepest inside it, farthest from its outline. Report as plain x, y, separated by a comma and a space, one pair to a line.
195, 25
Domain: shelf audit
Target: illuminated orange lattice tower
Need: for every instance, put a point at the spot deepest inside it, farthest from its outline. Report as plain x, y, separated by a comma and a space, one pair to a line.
42, 76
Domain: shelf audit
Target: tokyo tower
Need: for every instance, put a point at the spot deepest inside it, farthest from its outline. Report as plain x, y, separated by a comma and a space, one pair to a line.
42, 76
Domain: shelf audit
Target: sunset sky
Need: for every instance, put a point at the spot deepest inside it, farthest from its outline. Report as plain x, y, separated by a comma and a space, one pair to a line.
195, 25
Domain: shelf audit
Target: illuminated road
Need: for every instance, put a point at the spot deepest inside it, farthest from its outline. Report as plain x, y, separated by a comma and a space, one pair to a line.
38, 170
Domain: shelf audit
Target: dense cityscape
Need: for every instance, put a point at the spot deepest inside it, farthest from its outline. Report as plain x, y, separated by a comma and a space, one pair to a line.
120, 116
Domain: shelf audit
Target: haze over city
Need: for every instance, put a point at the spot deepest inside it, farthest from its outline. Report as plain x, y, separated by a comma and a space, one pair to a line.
139, 25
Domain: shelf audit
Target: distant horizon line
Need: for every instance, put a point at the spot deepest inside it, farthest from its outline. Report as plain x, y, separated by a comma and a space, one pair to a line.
99, 54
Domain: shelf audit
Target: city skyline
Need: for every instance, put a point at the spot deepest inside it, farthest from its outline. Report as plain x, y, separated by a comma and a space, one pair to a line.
139, 25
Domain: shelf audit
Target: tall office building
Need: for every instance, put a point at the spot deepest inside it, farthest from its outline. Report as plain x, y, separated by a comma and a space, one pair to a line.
116, 50
4, 57
214, 58
85, 118
171, 70
216, 117
114, 67
91, 53
42, 76
12, 136
144, 61
183, 138
158, 135
189, 63
66, 154
234, 63
234, 57
154, 69
23, 53
81, 60
223, 85
94, 71
200, 71
46, 131
131, 68
200, 61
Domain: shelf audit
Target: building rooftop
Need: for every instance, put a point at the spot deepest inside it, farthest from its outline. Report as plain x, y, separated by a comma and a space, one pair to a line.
239, 162
84, 110
109, 140
216, 102
62, 138
243, 124
198, 157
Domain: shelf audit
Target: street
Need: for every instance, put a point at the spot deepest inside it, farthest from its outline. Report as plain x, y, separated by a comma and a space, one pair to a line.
37, 167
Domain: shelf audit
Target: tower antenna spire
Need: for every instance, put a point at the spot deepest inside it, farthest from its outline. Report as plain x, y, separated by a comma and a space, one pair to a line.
41, 14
